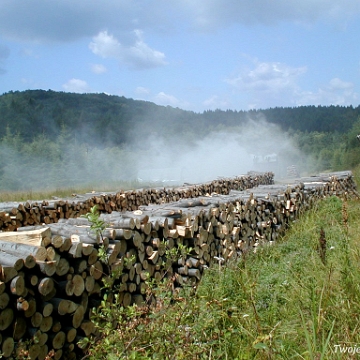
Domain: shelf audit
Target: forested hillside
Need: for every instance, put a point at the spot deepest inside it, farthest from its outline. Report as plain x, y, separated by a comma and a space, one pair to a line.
112, 118
53, 139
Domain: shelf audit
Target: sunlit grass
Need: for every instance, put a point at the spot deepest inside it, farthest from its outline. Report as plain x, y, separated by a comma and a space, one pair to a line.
64, 192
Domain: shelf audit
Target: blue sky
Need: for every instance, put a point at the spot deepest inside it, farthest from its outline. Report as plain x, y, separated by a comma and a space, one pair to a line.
195, 55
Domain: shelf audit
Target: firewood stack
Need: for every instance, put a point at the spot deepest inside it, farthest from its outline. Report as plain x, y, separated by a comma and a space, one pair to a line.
14, 215
51, 275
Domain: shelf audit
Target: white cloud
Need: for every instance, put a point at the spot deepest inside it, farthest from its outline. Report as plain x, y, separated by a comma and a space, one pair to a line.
338, 84
215, 102
273, 77
138, 55
267, 83
77, 86
98, 68
142, 91
336, 92
166, 99
105, 45
278, 83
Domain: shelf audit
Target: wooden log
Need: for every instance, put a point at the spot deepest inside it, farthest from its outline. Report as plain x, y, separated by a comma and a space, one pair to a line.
66, 244
192, 262
78, 316
6, 318
46, 324
44, 351
75, 286
47, 308
96, 270
93, 257
76, 249
195, 273
122, 223
7, 259
62, 267
63, 306
46, 286
154, 257
4, 300
58, 241
52, 254
79, 265
71, 334
79, 221
17, 285
89, 284
126, 299
29, 261
87, 249
7, 346
7, 273
34, 350
56, 327
57, 340
19, 328
22, 304
39, 237
22, 250
36, 319
121, 234
75, 233
31, 308
48, 268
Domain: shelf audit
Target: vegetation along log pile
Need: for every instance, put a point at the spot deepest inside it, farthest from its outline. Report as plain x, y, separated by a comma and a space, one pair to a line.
52, 275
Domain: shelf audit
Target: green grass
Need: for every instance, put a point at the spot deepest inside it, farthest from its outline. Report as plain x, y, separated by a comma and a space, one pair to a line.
64, 192
36, 194
283, 302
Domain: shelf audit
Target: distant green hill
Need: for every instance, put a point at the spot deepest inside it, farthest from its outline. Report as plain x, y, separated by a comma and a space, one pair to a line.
52, 140
113, 120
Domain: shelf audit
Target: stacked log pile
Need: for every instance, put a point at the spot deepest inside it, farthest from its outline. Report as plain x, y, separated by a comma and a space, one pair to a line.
14, 215
51, 275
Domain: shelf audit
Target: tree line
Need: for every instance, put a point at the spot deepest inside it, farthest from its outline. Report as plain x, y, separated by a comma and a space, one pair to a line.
55, 139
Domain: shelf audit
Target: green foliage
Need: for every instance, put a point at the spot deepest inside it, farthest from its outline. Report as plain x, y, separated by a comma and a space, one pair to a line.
97, 225
281, 303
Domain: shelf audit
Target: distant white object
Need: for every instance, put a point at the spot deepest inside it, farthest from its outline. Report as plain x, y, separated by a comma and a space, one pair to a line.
269, 158
160, 175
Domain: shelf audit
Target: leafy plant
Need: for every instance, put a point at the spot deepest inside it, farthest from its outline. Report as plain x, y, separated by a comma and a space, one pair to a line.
97, 225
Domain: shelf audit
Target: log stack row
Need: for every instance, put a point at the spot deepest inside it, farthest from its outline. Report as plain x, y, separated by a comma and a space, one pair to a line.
14, 215
52, 275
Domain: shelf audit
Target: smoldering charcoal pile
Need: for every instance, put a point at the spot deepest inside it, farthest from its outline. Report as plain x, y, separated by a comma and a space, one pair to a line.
51, 275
